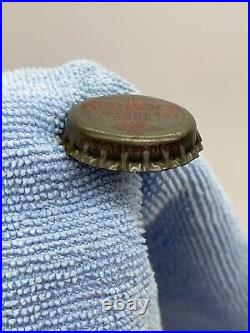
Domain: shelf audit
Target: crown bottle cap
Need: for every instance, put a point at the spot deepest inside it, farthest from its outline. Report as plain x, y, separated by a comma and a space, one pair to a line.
131, 133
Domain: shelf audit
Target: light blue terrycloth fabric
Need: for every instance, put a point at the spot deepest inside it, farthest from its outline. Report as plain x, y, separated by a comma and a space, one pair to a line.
74, 236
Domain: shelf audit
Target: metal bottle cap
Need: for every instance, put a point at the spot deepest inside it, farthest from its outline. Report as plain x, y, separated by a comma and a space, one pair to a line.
131, 133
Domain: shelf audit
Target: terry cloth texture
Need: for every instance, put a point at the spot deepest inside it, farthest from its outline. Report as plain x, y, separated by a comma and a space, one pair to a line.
74, 236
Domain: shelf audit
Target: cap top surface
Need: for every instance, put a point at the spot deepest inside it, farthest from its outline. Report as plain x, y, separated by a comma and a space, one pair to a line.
131, 118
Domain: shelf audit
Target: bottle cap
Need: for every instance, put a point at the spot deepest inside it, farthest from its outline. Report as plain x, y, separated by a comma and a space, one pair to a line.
131, 133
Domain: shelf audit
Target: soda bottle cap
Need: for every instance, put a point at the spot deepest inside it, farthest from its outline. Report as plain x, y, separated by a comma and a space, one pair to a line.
131, 133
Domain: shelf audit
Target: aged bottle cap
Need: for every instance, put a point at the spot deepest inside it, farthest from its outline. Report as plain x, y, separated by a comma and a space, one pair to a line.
131, 133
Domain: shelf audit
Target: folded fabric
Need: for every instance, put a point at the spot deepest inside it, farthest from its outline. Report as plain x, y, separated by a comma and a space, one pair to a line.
89, 249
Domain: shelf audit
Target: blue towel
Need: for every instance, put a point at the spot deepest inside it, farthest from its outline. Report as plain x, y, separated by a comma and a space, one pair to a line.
89, 249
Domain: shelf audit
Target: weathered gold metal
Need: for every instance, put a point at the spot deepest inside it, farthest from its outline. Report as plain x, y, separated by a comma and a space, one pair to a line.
131, 133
